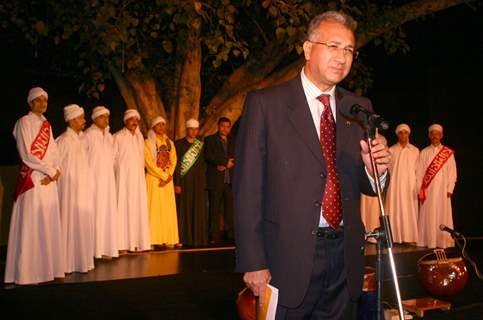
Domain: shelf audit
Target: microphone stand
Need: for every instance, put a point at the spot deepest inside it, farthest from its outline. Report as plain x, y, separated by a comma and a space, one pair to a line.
383, 234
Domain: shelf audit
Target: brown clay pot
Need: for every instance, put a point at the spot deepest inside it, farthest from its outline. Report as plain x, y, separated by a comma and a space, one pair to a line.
442, 277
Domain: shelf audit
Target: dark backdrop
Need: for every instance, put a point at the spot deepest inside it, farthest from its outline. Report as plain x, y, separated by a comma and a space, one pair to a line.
440, 81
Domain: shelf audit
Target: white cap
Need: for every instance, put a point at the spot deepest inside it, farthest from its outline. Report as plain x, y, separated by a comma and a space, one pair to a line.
99, 111
72, 111
436, 127
192, 123
35, 93
402, 127
157, 120
130, 113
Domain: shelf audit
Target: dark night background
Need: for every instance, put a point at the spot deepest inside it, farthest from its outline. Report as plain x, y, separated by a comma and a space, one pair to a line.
438, 81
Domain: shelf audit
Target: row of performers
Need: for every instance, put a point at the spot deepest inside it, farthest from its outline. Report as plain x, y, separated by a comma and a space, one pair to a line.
418, 199
91, 194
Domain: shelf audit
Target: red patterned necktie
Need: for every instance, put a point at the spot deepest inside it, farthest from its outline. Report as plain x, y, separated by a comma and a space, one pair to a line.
331, 203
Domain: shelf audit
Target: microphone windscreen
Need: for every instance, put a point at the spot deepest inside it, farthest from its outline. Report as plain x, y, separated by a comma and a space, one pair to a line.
349, 104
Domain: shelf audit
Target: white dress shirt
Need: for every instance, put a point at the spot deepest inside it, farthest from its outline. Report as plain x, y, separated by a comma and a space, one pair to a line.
316, 108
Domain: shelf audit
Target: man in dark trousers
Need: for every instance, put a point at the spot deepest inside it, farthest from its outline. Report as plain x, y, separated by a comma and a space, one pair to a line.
220, 159
301, 166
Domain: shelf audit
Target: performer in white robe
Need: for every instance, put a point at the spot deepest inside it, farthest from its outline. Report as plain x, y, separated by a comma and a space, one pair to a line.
132, 203
75, 194
401, 203
34, 251
436, 178
101, 153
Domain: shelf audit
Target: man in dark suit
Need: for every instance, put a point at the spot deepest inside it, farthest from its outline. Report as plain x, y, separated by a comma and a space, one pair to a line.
220, 159
301, 166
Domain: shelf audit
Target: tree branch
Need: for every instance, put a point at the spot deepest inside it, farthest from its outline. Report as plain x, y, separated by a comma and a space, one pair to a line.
232, 103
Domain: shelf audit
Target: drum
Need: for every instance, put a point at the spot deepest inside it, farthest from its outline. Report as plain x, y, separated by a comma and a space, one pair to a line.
246, 305
441, 275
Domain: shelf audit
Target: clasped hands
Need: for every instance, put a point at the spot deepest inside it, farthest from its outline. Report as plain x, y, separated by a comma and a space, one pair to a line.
229, 165
162, 182
46, 180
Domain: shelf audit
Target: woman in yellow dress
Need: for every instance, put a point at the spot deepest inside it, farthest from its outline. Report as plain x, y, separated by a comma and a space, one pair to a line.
160, 158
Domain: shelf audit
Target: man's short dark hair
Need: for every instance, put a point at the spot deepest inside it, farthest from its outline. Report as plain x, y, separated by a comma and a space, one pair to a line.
223, 119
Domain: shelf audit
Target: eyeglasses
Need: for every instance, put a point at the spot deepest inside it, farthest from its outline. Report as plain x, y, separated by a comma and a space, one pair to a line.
333, 48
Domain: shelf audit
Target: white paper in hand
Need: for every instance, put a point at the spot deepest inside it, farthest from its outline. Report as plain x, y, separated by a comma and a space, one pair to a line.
269, 307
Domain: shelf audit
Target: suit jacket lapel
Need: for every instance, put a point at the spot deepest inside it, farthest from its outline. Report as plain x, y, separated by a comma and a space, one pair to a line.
301, 119
344, 125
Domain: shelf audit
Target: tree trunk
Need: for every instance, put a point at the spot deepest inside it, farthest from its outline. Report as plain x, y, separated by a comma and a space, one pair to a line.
258, 66
232, 108
187, 103
147, 96
140, 92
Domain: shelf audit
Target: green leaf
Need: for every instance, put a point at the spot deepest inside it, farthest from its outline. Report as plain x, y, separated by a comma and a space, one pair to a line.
280, 33
167, 46
41, 28
299, 49
273, 11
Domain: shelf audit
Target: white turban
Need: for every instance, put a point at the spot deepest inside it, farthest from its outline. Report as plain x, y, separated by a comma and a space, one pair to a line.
436, 127
35, 93
192, 123
72, 111
99, 111
157, 120
130, 113
402, 127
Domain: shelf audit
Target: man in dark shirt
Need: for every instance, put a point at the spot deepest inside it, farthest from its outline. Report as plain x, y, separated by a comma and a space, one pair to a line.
220, 159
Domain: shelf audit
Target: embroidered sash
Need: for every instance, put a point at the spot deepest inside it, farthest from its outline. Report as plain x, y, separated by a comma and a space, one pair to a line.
38, 149
190, 157
162, 159
439, 160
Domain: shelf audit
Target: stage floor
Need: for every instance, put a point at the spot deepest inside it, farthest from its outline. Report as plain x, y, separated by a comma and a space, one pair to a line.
174, 261
197, 284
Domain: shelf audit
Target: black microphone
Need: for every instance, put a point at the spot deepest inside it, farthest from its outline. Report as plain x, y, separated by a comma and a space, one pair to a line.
453, 233
373, 118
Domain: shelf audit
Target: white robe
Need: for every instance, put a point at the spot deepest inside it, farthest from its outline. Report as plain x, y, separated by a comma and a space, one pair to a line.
401, 203
370, 213
132, 203
100, 152
34, 251
75, 198
436, 209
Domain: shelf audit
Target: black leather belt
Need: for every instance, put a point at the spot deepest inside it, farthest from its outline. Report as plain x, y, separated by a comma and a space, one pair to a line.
329, 233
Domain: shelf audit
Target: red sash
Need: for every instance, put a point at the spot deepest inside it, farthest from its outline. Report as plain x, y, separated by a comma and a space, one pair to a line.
39, 149
443, 155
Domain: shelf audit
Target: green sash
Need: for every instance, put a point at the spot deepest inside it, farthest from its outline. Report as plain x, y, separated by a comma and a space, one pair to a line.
190, 157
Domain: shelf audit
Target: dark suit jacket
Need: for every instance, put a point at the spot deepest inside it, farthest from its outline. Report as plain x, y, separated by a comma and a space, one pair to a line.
279, 184
215, 155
